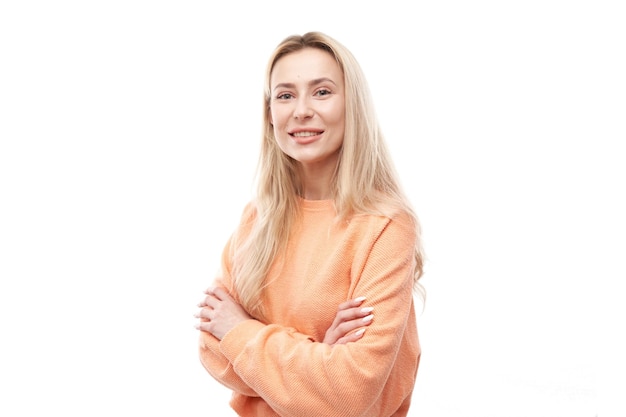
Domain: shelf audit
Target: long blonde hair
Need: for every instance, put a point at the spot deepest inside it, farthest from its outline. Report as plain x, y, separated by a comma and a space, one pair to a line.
365, 180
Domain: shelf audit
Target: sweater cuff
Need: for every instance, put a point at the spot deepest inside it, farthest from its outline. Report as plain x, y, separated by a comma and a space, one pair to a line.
235, 340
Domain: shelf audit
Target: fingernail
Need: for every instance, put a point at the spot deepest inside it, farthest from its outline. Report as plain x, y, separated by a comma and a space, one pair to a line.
365, 310
359, 332
368, 318
359, 299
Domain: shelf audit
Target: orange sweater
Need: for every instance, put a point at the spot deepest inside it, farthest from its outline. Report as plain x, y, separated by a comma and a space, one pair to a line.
281, 368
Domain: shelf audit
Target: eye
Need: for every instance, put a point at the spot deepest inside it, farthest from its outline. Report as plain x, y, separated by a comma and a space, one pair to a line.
323, 92
284, 96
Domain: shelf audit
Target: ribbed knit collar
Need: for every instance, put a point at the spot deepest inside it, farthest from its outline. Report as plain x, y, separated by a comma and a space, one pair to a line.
316, 205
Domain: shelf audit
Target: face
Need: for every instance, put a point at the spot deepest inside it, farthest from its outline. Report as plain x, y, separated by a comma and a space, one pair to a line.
307, 107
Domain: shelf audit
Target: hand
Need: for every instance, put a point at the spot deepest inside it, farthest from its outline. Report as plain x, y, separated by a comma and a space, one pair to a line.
219, 312
350, 316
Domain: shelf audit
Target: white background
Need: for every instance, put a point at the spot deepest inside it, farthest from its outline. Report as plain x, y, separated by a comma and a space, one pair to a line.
129, 133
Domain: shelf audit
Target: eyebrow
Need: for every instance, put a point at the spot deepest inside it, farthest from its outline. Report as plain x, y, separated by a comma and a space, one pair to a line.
310, 83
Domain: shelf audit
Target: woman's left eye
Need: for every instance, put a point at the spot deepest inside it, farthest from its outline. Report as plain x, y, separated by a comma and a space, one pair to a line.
322, 92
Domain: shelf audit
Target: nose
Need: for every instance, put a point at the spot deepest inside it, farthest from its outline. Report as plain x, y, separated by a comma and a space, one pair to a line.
302, 108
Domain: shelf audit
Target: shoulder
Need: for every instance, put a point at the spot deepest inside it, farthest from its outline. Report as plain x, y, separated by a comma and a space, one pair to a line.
249, 211
396, 224
402, 225
248, 214
389, 214
247, 218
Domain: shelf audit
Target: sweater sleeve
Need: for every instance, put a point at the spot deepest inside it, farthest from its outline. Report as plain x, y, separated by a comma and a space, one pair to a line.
219, 367
299, 377
211, 357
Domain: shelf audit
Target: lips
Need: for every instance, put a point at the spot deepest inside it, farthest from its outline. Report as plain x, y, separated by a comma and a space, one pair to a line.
305, 136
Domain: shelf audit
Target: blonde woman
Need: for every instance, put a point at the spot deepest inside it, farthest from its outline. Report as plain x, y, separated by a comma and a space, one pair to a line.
312, 313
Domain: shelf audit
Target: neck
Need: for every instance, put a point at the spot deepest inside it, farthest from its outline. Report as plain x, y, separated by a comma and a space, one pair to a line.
315, 195
316, 182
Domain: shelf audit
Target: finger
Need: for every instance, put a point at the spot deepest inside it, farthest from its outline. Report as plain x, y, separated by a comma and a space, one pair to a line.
346, 316
209, 301
209, 293
203, 303
348, 326
353, 313
343, 329
355, 302
352, 337
204, 326
204, 313
218, 292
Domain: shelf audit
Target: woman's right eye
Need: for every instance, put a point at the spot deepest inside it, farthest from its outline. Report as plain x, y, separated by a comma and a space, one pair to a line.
284, 96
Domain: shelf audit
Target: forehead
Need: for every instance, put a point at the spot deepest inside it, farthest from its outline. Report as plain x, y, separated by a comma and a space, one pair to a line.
305, 65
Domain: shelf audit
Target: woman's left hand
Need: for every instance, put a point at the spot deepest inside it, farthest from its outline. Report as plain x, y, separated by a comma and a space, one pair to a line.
219, 312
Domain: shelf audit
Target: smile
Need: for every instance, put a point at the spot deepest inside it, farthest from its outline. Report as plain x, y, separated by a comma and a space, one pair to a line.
304, 134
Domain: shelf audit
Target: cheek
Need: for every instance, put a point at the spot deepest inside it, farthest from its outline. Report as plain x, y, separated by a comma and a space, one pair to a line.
275, 118
278, 119
336, 115
338, 121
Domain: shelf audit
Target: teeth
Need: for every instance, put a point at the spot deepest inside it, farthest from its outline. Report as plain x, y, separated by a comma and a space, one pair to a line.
303, 134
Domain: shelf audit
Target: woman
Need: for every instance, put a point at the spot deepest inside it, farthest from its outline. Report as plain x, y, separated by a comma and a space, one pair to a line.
286, 325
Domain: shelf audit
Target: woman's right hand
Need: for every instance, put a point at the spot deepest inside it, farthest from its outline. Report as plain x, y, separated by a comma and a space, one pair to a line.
350, 316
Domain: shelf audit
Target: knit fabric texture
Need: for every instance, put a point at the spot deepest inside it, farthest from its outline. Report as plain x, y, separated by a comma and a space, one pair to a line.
282, 368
